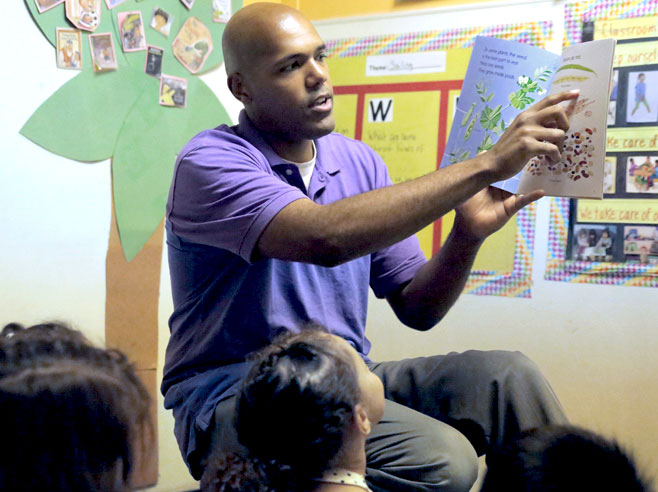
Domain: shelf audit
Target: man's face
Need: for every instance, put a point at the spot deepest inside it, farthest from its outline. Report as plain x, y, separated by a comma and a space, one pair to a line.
290, 95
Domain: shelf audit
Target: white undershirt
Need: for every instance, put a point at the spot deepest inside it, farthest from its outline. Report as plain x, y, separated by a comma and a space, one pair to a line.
306, 168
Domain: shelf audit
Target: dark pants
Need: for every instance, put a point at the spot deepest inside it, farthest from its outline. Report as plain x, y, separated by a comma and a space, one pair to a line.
441, 413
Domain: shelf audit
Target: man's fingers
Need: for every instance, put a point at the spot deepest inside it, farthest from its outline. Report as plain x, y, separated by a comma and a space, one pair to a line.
517, 202
554, 99
553, 117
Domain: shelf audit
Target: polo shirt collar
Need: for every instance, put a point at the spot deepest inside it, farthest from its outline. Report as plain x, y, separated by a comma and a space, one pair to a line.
248, 131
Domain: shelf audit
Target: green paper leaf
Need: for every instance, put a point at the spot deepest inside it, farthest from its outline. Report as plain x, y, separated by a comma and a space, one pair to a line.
145, 155
82, 119
48, 20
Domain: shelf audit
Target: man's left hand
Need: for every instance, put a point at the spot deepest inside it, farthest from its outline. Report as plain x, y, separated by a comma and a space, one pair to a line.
489, 210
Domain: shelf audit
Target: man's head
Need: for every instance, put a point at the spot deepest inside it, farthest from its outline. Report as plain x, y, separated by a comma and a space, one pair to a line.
275, 61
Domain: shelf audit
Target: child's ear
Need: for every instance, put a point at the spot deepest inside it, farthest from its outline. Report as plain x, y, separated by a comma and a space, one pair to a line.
361, 419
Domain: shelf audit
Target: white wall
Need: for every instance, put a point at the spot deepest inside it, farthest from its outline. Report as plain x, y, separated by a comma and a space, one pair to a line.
596, 344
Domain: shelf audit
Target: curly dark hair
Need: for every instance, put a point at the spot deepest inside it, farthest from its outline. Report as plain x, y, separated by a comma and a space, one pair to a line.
72, 413
291, 415
563, 458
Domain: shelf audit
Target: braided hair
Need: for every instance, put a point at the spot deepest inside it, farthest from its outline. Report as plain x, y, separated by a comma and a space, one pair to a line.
71, 412
291, 415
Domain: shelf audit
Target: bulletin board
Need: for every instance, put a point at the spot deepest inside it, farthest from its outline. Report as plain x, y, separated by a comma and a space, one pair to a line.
615, 240
406, 118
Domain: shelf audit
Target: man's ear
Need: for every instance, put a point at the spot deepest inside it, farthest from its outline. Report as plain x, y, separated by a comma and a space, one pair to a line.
237, 87
361, 420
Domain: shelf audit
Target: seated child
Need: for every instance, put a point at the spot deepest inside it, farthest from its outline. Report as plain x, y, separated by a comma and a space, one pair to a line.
303, 415
564, 459
72, 414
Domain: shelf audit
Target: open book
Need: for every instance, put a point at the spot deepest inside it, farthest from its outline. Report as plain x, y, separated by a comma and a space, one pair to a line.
504, 78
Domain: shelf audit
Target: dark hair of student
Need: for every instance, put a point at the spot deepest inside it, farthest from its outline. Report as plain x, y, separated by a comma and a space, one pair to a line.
71, 413
564, 459
291, 415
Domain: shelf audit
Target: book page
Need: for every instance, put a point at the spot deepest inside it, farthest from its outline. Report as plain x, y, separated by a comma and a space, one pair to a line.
580, 173
503, 79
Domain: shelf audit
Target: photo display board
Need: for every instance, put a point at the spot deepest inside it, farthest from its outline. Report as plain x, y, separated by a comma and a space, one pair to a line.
615, 240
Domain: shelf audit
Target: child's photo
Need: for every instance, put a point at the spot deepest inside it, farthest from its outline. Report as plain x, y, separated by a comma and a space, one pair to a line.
103, 55
113, 3
84, 14
593, 242
131, 28
612, 105
161, 21
68, 49
642, 174
43, 5
173, 91
641, 244
221, 10
642, 97
609, 174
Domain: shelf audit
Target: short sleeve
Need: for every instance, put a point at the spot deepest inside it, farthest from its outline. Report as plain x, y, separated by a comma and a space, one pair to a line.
224, 193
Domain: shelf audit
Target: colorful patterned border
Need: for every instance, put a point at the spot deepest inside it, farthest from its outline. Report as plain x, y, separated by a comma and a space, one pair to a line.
519, 282
557, 267
577, 13
588, 272
536, 33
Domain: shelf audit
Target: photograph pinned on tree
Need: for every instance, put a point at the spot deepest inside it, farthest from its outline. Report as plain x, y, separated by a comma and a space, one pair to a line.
84, 14
221, 10
69, 55
642, 97
173, 91
103, 56
188, 3
113, 3
192, 45
161, 21
153, 62
131, 29
43, 5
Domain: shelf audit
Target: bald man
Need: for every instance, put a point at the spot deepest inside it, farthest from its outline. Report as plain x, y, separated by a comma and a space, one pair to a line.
277, 222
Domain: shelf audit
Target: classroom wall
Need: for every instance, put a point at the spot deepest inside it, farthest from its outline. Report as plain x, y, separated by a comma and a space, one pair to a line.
596, 344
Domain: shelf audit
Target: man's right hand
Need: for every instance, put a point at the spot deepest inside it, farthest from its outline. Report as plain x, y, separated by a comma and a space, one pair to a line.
540, 130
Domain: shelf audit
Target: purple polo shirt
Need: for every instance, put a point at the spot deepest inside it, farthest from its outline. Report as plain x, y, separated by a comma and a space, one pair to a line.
228, 185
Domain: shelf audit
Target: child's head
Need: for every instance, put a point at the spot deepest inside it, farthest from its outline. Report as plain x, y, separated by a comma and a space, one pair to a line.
641, 77
305, 397
565, 459
72, 413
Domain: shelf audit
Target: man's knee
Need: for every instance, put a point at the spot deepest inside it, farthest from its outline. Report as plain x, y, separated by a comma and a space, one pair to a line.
453, 462
438, 458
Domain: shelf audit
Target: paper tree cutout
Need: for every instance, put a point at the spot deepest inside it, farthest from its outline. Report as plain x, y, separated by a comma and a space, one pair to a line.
116, 115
